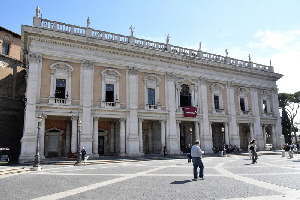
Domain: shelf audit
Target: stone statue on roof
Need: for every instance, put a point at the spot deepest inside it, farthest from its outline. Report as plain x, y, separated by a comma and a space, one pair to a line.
226, 52
131, 30
38, 11
200, 46
88, 22
249, 58
168, 39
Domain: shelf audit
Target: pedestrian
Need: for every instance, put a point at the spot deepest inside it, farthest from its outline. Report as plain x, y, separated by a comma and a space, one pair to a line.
196, 154
83, 152
188, 152
249, 151
253, 151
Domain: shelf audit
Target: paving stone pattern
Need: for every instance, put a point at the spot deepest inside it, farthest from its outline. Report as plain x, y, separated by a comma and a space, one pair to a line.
232, 178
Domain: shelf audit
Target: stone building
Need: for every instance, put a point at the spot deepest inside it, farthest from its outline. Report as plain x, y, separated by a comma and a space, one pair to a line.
120, 95
12, 92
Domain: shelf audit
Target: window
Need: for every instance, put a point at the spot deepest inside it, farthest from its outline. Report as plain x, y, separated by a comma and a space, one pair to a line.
151, 96
216, 102
109, 97
242, 104
60, 91
5, 46
217, 96
110, 88
60, 88
265, 103
242, 95
265, 106
185, 96
151, 85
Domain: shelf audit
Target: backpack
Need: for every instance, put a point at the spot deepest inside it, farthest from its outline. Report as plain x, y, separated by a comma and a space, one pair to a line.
251, 148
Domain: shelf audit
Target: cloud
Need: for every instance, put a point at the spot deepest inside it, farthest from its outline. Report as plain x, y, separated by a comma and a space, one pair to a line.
275, 39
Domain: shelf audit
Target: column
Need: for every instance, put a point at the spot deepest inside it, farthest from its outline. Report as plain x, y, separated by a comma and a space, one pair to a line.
122, 136
42, 137
28, 141
141, 136
86, 98
227, 139
255, 111
163, 135
112, 136
273, 134
74, 134
68, 137
251, 132
278, 138
132, 118
197, 134
150, 137
178, 132
171, 131
233, 128
95, 135
206, 144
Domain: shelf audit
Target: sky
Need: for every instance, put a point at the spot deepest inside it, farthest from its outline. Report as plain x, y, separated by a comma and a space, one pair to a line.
265, 29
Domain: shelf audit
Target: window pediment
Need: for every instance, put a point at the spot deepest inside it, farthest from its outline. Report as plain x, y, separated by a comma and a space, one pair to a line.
61, 68
217, 87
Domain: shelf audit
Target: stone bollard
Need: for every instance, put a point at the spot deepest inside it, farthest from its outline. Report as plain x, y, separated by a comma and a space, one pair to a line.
291, 154
222, 153
283, 153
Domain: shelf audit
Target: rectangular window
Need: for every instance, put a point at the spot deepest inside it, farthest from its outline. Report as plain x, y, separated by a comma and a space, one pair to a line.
60, 90
265, 106
217, 102
5, 48
151, 96
109, 93
242, 104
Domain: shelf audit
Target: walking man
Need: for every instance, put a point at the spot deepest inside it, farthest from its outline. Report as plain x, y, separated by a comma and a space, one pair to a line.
196, 154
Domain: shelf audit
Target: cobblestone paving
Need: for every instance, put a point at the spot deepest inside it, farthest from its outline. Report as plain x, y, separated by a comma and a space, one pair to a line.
228, 178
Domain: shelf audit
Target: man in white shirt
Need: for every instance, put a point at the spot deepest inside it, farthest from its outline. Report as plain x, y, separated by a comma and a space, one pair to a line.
196, 154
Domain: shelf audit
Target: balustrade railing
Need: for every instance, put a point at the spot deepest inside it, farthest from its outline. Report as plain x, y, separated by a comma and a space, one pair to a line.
102, 35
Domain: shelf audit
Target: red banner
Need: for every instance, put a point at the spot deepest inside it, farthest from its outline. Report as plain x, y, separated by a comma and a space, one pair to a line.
189, 111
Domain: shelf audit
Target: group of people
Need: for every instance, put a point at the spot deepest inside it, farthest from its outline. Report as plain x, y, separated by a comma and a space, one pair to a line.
228, 148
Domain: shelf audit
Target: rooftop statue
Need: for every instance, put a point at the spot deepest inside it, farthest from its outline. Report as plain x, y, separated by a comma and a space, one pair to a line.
131, 30
168, 39
38, 11
226, 52
88, 22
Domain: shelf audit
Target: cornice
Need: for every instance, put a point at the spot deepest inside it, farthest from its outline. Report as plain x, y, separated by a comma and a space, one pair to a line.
125, 52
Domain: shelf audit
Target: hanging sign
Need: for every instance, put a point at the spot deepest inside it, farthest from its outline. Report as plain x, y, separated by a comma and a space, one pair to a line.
189, 111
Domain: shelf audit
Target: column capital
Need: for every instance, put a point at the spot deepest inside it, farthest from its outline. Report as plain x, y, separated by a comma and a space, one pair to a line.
87, 65
162, 121
75, 117
170, 76
203, 80
178, 121
122, 119
96, 118
141, 120
34, 57
132, 70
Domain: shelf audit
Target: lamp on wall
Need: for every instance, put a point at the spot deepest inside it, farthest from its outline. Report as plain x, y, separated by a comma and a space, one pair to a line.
36, 165
191, 130
78, 163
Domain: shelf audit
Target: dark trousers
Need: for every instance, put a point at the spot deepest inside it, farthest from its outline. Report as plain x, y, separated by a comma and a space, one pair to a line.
197, 162
254, 156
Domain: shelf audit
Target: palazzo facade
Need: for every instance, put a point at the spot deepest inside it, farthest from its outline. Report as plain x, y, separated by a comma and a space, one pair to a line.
120, 95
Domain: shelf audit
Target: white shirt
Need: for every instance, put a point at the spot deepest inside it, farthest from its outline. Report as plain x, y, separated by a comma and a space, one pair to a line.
196, 151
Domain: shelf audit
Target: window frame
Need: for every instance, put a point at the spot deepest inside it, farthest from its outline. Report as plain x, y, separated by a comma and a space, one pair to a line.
151, 81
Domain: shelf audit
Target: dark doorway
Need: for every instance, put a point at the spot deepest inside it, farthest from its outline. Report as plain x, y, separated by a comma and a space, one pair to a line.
101, 145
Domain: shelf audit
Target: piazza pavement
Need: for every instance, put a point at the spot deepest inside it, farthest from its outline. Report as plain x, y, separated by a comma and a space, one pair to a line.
229, 178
